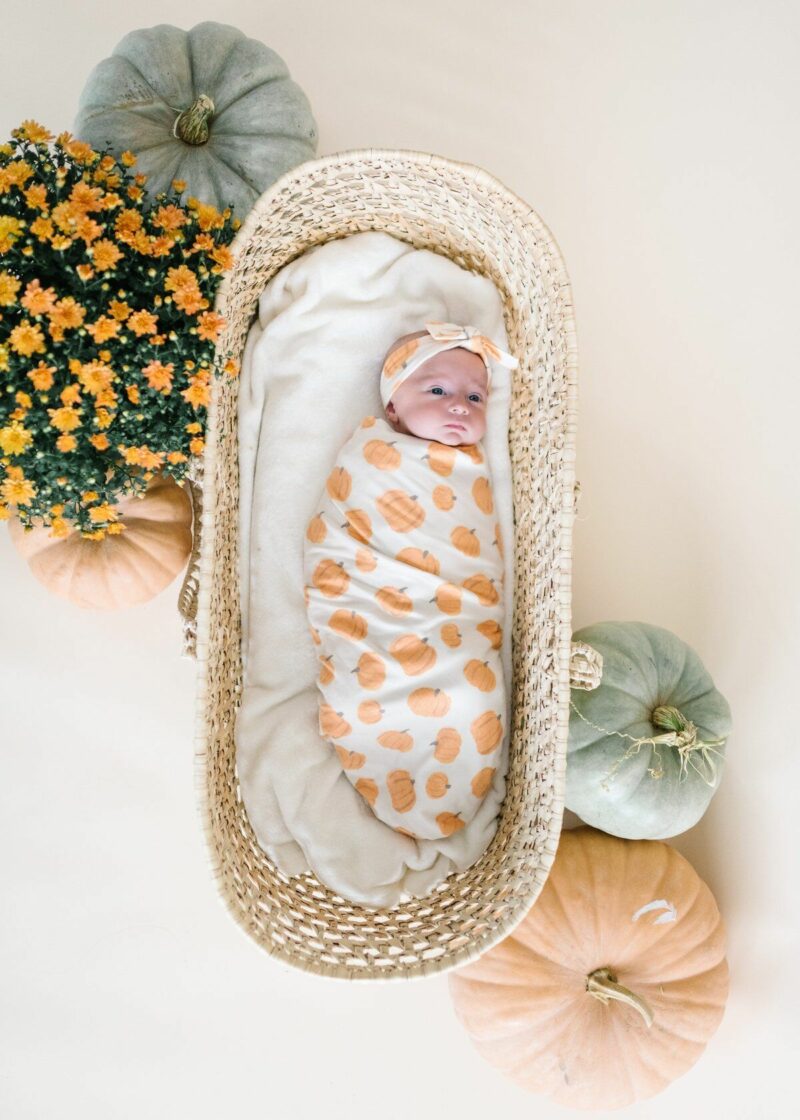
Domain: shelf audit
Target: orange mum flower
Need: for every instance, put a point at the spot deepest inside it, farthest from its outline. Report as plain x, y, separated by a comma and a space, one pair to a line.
100, 442
9, 286
119, 309
85, 271
70, 395
132, 392
103, 329
66, 443
64, 419
42, 229
209, 325
36, 196
105, 254
27, 338
85, 199
224, 258
42, 377
159, 376
38, 300
198, 394
16, 490
170, 218
143, 322
96, 377
66, 315
33, 131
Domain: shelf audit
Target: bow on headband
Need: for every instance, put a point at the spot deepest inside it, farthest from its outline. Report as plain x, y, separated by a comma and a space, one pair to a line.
410, 355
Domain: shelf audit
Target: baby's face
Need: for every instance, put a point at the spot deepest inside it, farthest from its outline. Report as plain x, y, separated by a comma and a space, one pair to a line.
444, 400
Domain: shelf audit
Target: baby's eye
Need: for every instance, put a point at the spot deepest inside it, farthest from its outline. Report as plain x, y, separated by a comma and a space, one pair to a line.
437, 389
475, 397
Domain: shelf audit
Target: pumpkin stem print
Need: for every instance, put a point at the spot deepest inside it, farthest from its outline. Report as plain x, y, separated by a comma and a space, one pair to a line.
403, 581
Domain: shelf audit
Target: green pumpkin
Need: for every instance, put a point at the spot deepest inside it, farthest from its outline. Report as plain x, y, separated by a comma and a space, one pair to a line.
208, 106
653, 688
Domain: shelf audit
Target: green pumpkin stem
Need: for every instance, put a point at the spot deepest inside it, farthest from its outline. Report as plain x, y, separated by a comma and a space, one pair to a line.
602, 984
191, 125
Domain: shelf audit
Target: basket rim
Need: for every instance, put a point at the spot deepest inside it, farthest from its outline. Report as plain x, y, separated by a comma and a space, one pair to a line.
527, 215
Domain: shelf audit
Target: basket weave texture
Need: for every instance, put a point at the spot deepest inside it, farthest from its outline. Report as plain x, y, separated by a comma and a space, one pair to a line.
462, 212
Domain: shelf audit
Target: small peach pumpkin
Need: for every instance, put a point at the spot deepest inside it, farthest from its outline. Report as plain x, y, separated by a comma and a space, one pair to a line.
349, 624
443, 497
382, 455
492, 630
394, 600
449, 823
482, 781
370, 711
350, 760
417, 558
371, 670
339, 484
487, 731
316, 531
448, 598
119, 571
482, 495
402, 511
331, 723
482, 588
368, 789
330, 578
441, 458
451, 635
358, 525
465, 540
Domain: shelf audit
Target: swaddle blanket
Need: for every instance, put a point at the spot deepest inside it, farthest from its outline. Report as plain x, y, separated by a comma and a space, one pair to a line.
404, 583
307, 379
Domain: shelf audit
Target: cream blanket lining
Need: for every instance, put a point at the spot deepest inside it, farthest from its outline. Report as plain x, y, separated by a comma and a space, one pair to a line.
310, 372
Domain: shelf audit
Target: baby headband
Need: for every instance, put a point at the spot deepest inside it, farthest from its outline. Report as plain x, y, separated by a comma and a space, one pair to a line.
410, 355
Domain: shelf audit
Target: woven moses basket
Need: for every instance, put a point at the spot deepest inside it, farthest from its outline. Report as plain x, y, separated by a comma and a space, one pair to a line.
462, 212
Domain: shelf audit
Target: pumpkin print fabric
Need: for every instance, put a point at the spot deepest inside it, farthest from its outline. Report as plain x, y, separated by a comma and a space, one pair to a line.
403, 570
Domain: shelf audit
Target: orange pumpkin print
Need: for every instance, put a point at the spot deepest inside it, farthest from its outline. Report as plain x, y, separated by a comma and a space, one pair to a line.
371, 670
487, 731
479, 675
398, 357
400, 510
358, 525
413, 653
451, 635
443, 497
394, 600
448, 598
367, 422
482, 782
365, 560
482, 494
368, 790
483, 589
350, 760
315, 636
396, 740
316, 531
400, 785
448, 744
330, 578
449, 823
441, 458
437, 785
465, 540
429, 702
417, 558
339, 484
331, 724
491, 630
370, 711
327, 672
349, 625
382, 455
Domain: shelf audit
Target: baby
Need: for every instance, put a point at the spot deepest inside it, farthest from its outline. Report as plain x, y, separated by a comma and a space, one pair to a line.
403, 566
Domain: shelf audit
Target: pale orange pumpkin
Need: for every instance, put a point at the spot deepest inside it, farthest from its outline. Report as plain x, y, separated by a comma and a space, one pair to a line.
487, 731
483, 588
371, 671
358, 525
330, 578
316, 531
451, 635
339, 484
448, 598
394, 600
349, 624
370, 711
441, 458
400, 510
332, 724
365, 560
449, 823
482, 495
443, 497
437, 785
368, 789
417, 558
401, 790
448, 744
611, 986
350, 760
122, 570
492, 630
396, 740
465, 540
413, 653
479, 675
429, 702
382, 455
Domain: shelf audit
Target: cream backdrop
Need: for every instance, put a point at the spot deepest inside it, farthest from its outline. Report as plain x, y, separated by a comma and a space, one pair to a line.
658, 143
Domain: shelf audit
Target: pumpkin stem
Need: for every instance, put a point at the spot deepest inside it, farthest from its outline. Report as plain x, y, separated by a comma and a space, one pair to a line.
191, 125
602, 984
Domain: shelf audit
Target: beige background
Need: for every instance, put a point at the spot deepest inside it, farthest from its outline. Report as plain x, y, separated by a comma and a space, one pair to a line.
658, 142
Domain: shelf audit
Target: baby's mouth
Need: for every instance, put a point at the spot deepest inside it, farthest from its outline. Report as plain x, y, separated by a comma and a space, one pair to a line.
455, 424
